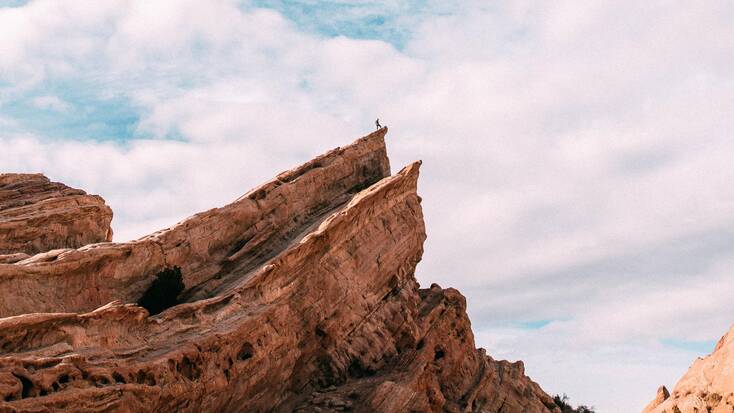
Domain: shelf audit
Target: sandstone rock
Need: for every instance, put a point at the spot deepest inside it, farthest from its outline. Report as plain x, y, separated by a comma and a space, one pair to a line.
707, 386
38, 215
299, 296
660, 397
13, 258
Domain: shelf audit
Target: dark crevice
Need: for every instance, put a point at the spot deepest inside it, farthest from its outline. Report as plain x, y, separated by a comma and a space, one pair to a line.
239, 245
26, 385
290, 177
358, 370
364, 185
140, 377
189, 370
329, 375
100, 381
254, 252
258, 195
164, 291
118, 378
246, 352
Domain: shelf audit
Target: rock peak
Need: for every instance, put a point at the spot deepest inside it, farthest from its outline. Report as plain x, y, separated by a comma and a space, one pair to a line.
299, 296
707, 386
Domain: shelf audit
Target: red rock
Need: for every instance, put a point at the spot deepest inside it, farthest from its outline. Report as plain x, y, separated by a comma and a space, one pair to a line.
38, 215
299, 296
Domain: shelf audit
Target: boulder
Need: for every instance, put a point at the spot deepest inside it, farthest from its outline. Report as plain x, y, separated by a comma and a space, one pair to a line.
37, 215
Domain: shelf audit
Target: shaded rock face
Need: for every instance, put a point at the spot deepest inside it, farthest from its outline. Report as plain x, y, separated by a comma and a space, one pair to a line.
707, 386
299, 296
37, 215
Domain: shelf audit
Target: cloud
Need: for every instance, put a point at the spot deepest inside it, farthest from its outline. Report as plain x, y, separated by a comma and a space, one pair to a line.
51, 103
576, 177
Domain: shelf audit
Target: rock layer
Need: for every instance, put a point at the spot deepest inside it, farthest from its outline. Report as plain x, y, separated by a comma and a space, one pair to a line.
707, 386
38, 215
299, 296
213, 249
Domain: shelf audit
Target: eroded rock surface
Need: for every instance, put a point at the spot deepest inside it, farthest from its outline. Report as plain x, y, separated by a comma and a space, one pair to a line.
299, 296
707, 386
37, 215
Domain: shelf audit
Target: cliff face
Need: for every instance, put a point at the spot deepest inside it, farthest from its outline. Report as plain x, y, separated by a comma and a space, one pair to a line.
38, 215
707, 386
299, 296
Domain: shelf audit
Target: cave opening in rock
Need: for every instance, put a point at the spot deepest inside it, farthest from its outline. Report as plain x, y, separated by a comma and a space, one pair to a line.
164, 291
246, 352
26, 385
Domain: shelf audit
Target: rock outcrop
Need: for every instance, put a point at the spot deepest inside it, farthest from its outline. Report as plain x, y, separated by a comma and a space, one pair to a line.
37, 215
299, 296
707, 386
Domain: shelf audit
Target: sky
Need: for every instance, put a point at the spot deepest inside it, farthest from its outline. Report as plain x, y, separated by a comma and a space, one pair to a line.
577, 156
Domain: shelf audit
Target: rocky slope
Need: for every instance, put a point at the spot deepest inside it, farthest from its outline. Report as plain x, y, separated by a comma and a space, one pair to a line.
707, 386
38, 215
299, 296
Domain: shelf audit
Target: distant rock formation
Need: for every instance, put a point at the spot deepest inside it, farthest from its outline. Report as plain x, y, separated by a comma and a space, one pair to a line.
299, 296
37, 215
707, 386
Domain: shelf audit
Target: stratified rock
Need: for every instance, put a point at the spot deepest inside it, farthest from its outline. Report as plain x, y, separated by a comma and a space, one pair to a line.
707, 386
299, 296
37, 215
213, 249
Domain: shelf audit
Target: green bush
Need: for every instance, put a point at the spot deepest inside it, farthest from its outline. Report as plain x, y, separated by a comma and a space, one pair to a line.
563, 404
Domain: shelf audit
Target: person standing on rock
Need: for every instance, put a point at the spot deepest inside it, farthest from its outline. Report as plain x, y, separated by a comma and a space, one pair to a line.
377, 123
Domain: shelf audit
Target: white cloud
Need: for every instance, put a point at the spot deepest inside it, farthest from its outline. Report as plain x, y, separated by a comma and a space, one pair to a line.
577, 156
51, 103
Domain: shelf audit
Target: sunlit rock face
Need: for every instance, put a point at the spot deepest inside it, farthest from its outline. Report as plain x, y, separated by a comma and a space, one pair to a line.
298, 296
37, 215
707, 386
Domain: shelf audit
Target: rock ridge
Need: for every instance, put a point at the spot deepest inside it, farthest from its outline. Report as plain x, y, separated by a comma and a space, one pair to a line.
300, 296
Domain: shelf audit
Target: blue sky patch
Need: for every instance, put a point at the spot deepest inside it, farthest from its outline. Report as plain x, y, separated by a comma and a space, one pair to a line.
389, 22
700, 347
534, 325
71, 111
13, 3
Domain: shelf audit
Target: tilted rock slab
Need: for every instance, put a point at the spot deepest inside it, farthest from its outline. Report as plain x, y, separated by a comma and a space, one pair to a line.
212, 248
299, 296
707, 386
38, 215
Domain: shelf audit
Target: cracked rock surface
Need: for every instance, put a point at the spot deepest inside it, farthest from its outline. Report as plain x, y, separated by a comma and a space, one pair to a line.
300, 296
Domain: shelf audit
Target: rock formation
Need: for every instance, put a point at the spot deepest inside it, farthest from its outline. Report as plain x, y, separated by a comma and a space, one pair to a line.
299, 296
707, 386
37, 215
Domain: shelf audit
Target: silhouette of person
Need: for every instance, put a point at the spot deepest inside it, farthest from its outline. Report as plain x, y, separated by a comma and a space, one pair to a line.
377, 123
